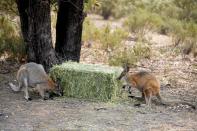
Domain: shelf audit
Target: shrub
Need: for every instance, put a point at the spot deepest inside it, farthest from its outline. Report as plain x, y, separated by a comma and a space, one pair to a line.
107, 7
181, 31
11, 43
176, 30
111, 39
91, 5
190, 44
142, 21
188, 9
130, 56
8, 7
176, 9
107, 38
115, 8
123, 8
191, 28
142, 50
90, 31
120, 57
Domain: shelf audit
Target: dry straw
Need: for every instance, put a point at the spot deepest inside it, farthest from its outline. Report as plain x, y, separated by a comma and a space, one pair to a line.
88, 81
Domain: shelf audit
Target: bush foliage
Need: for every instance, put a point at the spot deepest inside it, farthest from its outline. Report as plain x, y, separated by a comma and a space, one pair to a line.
165, 16
142, 21
11, 43
130, 55
108, 39
177, 18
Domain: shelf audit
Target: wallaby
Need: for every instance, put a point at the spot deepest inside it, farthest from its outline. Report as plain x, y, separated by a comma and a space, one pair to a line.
33, 75
147, 84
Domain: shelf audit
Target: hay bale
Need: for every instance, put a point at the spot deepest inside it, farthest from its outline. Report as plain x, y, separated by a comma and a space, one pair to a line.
97, 82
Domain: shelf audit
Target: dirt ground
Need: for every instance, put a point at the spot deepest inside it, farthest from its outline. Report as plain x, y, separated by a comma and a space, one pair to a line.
73, 114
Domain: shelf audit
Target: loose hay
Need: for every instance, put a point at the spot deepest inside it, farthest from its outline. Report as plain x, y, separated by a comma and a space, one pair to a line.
95, 82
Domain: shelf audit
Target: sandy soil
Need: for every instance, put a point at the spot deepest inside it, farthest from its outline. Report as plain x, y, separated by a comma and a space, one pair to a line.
67, 113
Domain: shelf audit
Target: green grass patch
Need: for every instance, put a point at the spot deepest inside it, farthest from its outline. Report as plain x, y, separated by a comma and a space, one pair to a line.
87, 81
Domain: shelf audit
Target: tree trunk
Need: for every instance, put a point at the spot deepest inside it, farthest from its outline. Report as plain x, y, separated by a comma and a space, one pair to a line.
36, 29
69, 29
23, 8
40, 32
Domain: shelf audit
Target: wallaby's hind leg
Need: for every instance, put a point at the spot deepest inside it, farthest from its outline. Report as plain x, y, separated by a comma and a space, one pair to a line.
143, 96
26, 89
129, 88
148, 96
160, 99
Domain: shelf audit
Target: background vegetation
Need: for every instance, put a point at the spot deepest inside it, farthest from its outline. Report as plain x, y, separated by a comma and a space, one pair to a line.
174, 18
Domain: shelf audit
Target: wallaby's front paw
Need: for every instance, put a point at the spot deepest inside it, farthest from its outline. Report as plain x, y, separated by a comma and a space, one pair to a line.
124, 86
51, 98
144, 105
45, 98
131, 96
28, 98
137, 105
141, 105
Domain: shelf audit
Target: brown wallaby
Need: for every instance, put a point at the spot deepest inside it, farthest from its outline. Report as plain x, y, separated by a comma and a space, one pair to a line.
147, 84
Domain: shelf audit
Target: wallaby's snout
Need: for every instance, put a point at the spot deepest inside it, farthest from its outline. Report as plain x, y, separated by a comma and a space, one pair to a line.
121, 75
60, 93
59, 90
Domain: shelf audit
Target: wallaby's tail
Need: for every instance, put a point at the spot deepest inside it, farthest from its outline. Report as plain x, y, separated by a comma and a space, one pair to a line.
172, 103
14, 87
161, 99
187, 103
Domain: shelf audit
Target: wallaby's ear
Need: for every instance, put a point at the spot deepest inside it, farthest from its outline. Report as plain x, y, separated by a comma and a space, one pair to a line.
126, 67
124, 72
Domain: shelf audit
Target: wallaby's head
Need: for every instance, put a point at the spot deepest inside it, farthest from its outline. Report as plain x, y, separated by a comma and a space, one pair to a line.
124, 72
55, 88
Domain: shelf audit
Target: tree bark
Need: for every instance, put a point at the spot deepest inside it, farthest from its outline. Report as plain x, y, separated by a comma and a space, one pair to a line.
69, 29
40, 39
36, 29
23, 8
